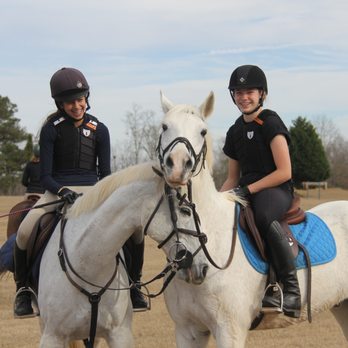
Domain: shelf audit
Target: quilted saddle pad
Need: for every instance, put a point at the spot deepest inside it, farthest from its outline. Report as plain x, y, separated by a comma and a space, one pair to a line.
313, 233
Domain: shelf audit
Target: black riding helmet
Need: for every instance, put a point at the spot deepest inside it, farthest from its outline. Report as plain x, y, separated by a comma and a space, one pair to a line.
68, 84
246, 77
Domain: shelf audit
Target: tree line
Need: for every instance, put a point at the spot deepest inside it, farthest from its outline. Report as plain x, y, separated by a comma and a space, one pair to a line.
318, 151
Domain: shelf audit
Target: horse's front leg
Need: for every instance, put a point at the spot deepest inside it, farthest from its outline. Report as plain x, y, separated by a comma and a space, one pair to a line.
189, 336
120, 337
53, 341
230, 337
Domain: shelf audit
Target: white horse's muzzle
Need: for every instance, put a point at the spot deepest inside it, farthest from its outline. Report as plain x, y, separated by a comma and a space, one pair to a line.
196, 274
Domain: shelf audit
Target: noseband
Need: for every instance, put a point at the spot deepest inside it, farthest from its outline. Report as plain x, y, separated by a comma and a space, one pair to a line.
182, 140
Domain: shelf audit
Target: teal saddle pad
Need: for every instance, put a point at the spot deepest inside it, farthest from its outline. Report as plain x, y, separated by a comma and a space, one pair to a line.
313, 233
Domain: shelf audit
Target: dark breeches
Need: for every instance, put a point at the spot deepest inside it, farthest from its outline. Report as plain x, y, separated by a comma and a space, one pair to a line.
269, 205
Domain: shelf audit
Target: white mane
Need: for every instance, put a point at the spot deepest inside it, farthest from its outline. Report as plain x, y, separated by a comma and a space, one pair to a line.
104, 188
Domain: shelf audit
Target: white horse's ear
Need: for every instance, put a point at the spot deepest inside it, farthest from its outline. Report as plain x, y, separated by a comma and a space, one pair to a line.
166, 103
208, 105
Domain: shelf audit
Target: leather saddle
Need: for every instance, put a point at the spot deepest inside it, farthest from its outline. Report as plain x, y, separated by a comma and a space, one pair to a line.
38, 239
293, 216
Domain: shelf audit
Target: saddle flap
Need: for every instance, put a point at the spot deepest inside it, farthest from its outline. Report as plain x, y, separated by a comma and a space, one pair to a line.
41, 233
247, 222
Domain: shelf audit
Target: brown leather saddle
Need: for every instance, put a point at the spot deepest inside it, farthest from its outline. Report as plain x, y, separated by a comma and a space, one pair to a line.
293, 216
40, 235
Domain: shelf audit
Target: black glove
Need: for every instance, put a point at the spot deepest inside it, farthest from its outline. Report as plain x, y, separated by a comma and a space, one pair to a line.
68, 195
241, 191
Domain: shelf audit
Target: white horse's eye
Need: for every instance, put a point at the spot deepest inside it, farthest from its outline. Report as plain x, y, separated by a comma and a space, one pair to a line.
164, 127
203, 132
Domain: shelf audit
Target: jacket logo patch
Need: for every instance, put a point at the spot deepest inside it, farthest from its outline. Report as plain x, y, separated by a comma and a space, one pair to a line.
91, 125
250, 134
86, 132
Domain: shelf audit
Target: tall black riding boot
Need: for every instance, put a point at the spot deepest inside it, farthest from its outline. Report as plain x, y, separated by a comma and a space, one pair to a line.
283, 262
22, 306
135, 266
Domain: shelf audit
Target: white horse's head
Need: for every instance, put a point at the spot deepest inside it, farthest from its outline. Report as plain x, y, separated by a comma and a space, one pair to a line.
182, 145
183, 148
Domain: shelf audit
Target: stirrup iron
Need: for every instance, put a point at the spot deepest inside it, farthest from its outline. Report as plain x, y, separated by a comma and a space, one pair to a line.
34, 303
277, 291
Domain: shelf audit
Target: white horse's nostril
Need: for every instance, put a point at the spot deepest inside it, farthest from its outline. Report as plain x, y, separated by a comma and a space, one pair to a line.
205, 270
189, 164
169, 162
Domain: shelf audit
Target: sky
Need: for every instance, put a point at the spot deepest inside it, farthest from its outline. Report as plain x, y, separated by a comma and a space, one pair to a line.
131, 50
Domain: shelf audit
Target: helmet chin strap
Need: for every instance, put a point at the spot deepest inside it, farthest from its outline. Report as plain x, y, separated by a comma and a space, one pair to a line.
251, 112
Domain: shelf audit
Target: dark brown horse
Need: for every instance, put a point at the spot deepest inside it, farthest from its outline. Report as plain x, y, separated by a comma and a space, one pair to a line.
15, 219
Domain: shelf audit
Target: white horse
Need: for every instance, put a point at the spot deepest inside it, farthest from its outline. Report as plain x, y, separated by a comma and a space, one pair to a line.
225, 302
92, 239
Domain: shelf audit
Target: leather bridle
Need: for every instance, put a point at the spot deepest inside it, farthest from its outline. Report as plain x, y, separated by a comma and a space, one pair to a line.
198, 157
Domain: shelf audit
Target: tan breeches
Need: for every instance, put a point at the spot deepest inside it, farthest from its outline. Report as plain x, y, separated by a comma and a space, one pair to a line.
28, 223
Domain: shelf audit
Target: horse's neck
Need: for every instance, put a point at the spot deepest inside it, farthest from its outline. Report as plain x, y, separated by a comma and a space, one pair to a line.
217, 217
100, 234
203, 187
212, 206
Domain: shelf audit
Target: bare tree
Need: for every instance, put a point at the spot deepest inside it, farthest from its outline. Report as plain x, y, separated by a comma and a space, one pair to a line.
140, 143
337, 153
336, 148
150, 139
326, 129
